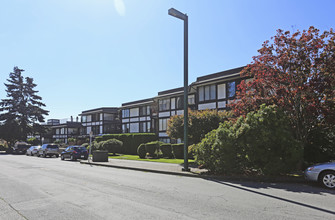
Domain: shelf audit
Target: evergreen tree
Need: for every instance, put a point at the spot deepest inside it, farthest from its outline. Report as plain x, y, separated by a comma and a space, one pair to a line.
21, 112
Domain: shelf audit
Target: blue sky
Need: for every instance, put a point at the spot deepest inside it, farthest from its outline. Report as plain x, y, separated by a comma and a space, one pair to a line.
86, 54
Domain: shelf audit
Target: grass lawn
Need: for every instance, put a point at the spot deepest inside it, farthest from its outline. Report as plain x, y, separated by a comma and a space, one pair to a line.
161, 160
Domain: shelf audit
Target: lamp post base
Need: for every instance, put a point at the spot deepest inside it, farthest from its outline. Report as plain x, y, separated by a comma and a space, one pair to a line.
185, 170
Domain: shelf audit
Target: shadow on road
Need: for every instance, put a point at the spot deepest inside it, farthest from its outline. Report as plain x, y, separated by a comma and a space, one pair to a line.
247, 186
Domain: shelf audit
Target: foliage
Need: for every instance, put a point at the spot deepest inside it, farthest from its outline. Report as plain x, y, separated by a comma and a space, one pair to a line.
178, 150
86, 145
166, 150
262, 140
297, 73
320, 146
141, 151
161, 160
199, 124
130, 141
111, 145
21, 112
151, 148
72, 140
33, 141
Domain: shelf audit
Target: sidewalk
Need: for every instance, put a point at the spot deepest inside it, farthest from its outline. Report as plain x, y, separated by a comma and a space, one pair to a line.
176, 169
146, 166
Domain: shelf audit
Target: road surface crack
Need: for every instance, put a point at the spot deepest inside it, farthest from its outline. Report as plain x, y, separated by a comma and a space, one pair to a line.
17, 211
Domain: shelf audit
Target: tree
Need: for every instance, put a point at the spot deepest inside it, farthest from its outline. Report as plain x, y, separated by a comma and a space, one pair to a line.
297, 73
21, 112
199, 124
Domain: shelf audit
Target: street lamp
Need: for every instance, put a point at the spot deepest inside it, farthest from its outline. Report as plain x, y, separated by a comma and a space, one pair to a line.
175, 13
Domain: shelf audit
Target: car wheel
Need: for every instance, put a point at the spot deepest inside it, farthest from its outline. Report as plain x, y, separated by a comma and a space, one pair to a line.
327, 179
57, 155
62, 157
31, 154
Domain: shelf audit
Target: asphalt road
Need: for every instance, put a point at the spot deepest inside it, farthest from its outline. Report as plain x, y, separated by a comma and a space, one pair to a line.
48, 188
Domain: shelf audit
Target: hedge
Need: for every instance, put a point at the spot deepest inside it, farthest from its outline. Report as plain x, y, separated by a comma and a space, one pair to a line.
130, 141
166, 150
178, 150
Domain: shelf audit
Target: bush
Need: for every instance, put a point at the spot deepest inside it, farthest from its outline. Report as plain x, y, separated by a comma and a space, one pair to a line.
166, 150
86, 145
262, 140
112, 145
3, 148
141, 151
130, 141
178, 150
151, 148
33, 141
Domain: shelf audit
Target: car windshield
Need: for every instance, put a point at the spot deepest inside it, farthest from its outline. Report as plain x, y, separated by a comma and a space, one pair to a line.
23, 146
52, 146
80, 149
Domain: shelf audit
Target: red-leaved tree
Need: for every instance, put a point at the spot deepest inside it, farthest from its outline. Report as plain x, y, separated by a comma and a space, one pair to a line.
297, 73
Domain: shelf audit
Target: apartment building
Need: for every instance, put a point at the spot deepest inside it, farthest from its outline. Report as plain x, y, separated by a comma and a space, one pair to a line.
100, 121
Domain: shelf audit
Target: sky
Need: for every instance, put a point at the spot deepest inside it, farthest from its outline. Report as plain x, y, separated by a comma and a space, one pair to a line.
87, 54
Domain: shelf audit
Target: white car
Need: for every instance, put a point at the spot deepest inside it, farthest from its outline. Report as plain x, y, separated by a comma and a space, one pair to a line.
323, 173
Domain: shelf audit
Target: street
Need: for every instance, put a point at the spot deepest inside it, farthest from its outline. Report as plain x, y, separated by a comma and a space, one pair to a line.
48, 188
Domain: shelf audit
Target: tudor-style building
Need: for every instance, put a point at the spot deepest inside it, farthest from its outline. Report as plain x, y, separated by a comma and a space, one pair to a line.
170, 103
100, 121
138, 116
215, 91
64, 131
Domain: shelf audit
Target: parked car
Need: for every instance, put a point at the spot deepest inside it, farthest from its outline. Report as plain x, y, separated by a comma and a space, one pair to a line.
48, 150
33, 150
20, 148
323, 173
74, 153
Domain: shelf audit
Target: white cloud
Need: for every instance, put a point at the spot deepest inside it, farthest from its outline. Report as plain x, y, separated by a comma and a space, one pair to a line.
120, 7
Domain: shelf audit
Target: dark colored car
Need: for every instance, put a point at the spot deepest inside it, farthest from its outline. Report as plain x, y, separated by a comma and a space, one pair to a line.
48, 150
20, 148
74, 153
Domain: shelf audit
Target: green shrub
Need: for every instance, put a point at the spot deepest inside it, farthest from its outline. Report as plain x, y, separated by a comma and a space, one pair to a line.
166, 150
178, 150
33, 141
151, 148
2, 148
86, 145
141, 151
112, 146
130, 141
262, 140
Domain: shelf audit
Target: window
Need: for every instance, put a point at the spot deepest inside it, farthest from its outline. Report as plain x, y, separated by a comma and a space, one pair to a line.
108, 117
231, 89
143, 127
191, 100
173, 103
125, 113
207, 93
134, 112
163, 124
108, 128
83, 118
144, 110
222, 91
95, 117
180, 102
164, 104
125, 128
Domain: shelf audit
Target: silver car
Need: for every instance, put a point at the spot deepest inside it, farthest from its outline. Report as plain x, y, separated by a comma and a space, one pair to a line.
48, 150
323, 173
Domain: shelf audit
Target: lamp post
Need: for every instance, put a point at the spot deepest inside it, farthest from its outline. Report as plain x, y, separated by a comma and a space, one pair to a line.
90, 151
175, 13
